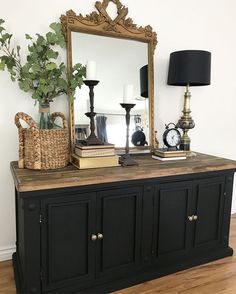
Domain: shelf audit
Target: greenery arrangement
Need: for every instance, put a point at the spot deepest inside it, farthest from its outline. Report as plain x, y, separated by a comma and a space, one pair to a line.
41, 75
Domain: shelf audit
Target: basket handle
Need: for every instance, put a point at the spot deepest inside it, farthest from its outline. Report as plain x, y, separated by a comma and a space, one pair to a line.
62, 116
25, 117
33, 127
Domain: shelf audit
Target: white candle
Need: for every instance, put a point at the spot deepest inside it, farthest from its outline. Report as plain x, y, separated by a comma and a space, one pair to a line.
128, 93
91, 70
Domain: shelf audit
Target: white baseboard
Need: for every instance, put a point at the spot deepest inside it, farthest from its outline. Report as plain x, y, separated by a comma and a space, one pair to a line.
6, 253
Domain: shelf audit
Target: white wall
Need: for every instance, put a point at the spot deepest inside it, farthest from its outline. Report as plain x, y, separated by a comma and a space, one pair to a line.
183, 24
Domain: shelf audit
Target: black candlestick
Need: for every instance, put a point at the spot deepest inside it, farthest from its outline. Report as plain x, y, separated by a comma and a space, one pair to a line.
92, 138
126, 159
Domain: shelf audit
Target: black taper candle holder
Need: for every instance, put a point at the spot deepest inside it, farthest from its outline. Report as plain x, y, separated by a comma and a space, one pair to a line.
126, 159
92, 138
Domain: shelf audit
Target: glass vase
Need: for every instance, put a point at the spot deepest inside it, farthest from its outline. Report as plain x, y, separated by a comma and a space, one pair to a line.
44, 120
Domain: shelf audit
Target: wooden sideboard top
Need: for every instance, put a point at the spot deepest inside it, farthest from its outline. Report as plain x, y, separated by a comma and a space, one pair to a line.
31, 180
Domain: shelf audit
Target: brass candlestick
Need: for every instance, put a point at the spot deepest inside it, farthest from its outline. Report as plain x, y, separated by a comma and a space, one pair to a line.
186, 122
126, 159
92, 138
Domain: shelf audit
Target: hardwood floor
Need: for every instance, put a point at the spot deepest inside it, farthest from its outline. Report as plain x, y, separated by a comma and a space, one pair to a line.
212, 278
7, 282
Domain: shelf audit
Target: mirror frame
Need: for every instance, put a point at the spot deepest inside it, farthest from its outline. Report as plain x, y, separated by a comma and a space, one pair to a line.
100, 23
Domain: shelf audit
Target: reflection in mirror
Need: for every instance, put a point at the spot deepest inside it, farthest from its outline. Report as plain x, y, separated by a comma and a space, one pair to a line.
119, 62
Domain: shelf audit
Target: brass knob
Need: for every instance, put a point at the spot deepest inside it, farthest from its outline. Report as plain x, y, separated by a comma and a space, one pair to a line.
94, 237
195, 217
100, 236
190, 218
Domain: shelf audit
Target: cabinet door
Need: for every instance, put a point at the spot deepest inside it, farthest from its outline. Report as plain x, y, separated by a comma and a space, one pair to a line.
68, 254
209, 211
119, 222
172, 229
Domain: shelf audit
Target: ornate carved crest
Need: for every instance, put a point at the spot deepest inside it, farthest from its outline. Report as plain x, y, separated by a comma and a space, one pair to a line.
99, 21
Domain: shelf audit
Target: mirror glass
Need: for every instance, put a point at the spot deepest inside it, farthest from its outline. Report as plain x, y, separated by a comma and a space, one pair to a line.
118, 63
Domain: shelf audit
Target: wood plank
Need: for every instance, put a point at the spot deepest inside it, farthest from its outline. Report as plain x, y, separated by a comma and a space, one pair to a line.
218, 277
7, 282
31, 180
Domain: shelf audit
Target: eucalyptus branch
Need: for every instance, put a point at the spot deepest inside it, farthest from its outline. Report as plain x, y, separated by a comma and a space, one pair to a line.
10, 54
40, 75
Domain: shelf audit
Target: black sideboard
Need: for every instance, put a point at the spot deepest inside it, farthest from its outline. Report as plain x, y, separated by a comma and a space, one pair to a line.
95, 231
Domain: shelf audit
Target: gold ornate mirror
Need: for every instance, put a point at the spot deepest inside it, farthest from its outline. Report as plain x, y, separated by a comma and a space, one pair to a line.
120, 49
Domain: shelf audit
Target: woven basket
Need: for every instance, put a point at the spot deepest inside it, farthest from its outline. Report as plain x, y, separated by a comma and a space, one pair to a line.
42, 148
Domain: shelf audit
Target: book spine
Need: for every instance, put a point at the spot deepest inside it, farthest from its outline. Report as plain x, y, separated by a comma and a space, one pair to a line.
97, 147
94, 162
168, 158
169, 155
94, 153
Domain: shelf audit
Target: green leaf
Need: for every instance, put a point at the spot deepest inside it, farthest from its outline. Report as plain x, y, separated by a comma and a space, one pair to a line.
61, 41
41, 40
39, 48
62, 83
51, 38
55, 26
77, 66
1, 29
42, 81
36, 68
52, 54
51, 66
28, 37
2, 21
25, 69
36, 96
10, 62
2, 65
5, 37
24, 85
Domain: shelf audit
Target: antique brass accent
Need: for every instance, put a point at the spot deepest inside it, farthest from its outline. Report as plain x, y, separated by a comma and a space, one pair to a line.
94, 237
100, 236
190, 218
186, 122
100, 23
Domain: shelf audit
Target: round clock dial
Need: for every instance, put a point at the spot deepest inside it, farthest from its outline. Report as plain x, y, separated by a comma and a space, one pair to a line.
171, 136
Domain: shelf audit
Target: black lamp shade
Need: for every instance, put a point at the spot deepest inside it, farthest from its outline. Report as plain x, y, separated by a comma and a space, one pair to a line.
189, 67
144, 81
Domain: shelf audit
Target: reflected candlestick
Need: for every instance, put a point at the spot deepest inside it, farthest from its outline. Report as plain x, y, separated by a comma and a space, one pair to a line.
126, 159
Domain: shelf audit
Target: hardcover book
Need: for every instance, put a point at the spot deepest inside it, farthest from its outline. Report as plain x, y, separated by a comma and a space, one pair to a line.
168, 158
166, 153
105, 146
94, 162
96, 152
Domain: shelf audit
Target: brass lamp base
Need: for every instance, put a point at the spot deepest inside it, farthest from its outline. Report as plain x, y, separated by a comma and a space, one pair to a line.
186, 122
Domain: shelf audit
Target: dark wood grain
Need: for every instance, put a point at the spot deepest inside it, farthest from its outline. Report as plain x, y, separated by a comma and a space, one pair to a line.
148, 168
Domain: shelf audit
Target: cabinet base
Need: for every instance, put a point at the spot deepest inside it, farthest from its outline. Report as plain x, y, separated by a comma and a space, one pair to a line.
17, 275
151, 274
138, 278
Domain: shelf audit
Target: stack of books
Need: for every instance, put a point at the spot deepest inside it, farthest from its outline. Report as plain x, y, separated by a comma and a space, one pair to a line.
165, 154
94, 156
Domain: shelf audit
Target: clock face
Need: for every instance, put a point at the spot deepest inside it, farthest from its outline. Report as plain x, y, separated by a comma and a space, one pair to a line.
172, 138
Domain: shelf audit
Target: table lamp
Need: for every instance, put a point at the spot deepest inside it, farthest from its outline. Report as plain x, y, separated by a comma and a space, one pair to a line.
144, 81
188, 68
